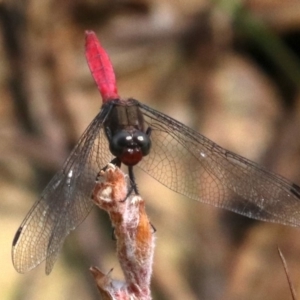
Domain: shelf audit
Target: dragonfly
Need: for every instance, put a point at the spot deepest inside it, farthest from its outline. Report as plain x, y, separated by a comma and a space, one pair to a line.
128, 132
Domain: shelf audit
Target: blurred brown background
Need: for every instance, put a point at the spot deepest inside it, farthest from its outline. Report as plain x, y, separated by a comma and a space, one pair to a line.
229, 69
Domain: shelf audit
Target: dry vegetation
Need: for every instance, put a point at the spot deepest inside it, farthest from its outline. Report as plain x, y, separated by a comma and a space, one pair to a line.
231, 72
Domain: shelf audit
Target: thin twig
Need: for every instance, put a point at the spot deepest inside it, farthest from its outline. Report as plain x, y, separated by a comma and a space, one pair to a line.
293, 292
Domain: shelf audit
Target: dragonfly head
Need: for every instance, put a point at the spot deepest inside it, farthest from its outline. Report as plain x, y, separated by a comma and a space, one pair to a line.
130, 146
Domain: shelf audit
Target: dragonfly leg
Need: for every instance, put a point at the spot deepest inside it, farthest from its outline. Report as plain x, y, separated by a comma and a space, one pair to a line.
153, 228
113, 234
133, 186
132, 181
114, 161
148, 131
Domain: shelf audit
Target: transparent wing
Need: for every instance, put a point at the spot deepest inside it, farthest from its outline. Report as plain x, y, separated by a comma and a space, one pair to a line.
64, 203
192, 165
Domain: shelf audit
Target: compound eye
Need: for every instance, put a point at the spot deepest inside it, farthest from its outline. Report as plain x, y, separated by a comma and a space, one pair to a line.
143, 141
120, 141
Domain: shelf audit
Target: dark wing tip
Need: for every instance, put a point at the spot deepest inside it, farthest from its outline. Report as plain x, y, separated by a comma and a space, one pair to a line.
17, 235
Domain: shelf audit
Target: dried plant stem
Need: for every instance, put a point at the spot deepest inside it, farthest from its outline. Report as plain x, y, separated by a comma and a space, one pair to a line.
134, 234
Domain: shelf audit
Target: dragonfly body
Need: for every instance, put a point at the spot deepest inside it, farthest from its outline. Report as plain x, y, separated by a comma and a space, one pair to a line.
175, 155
